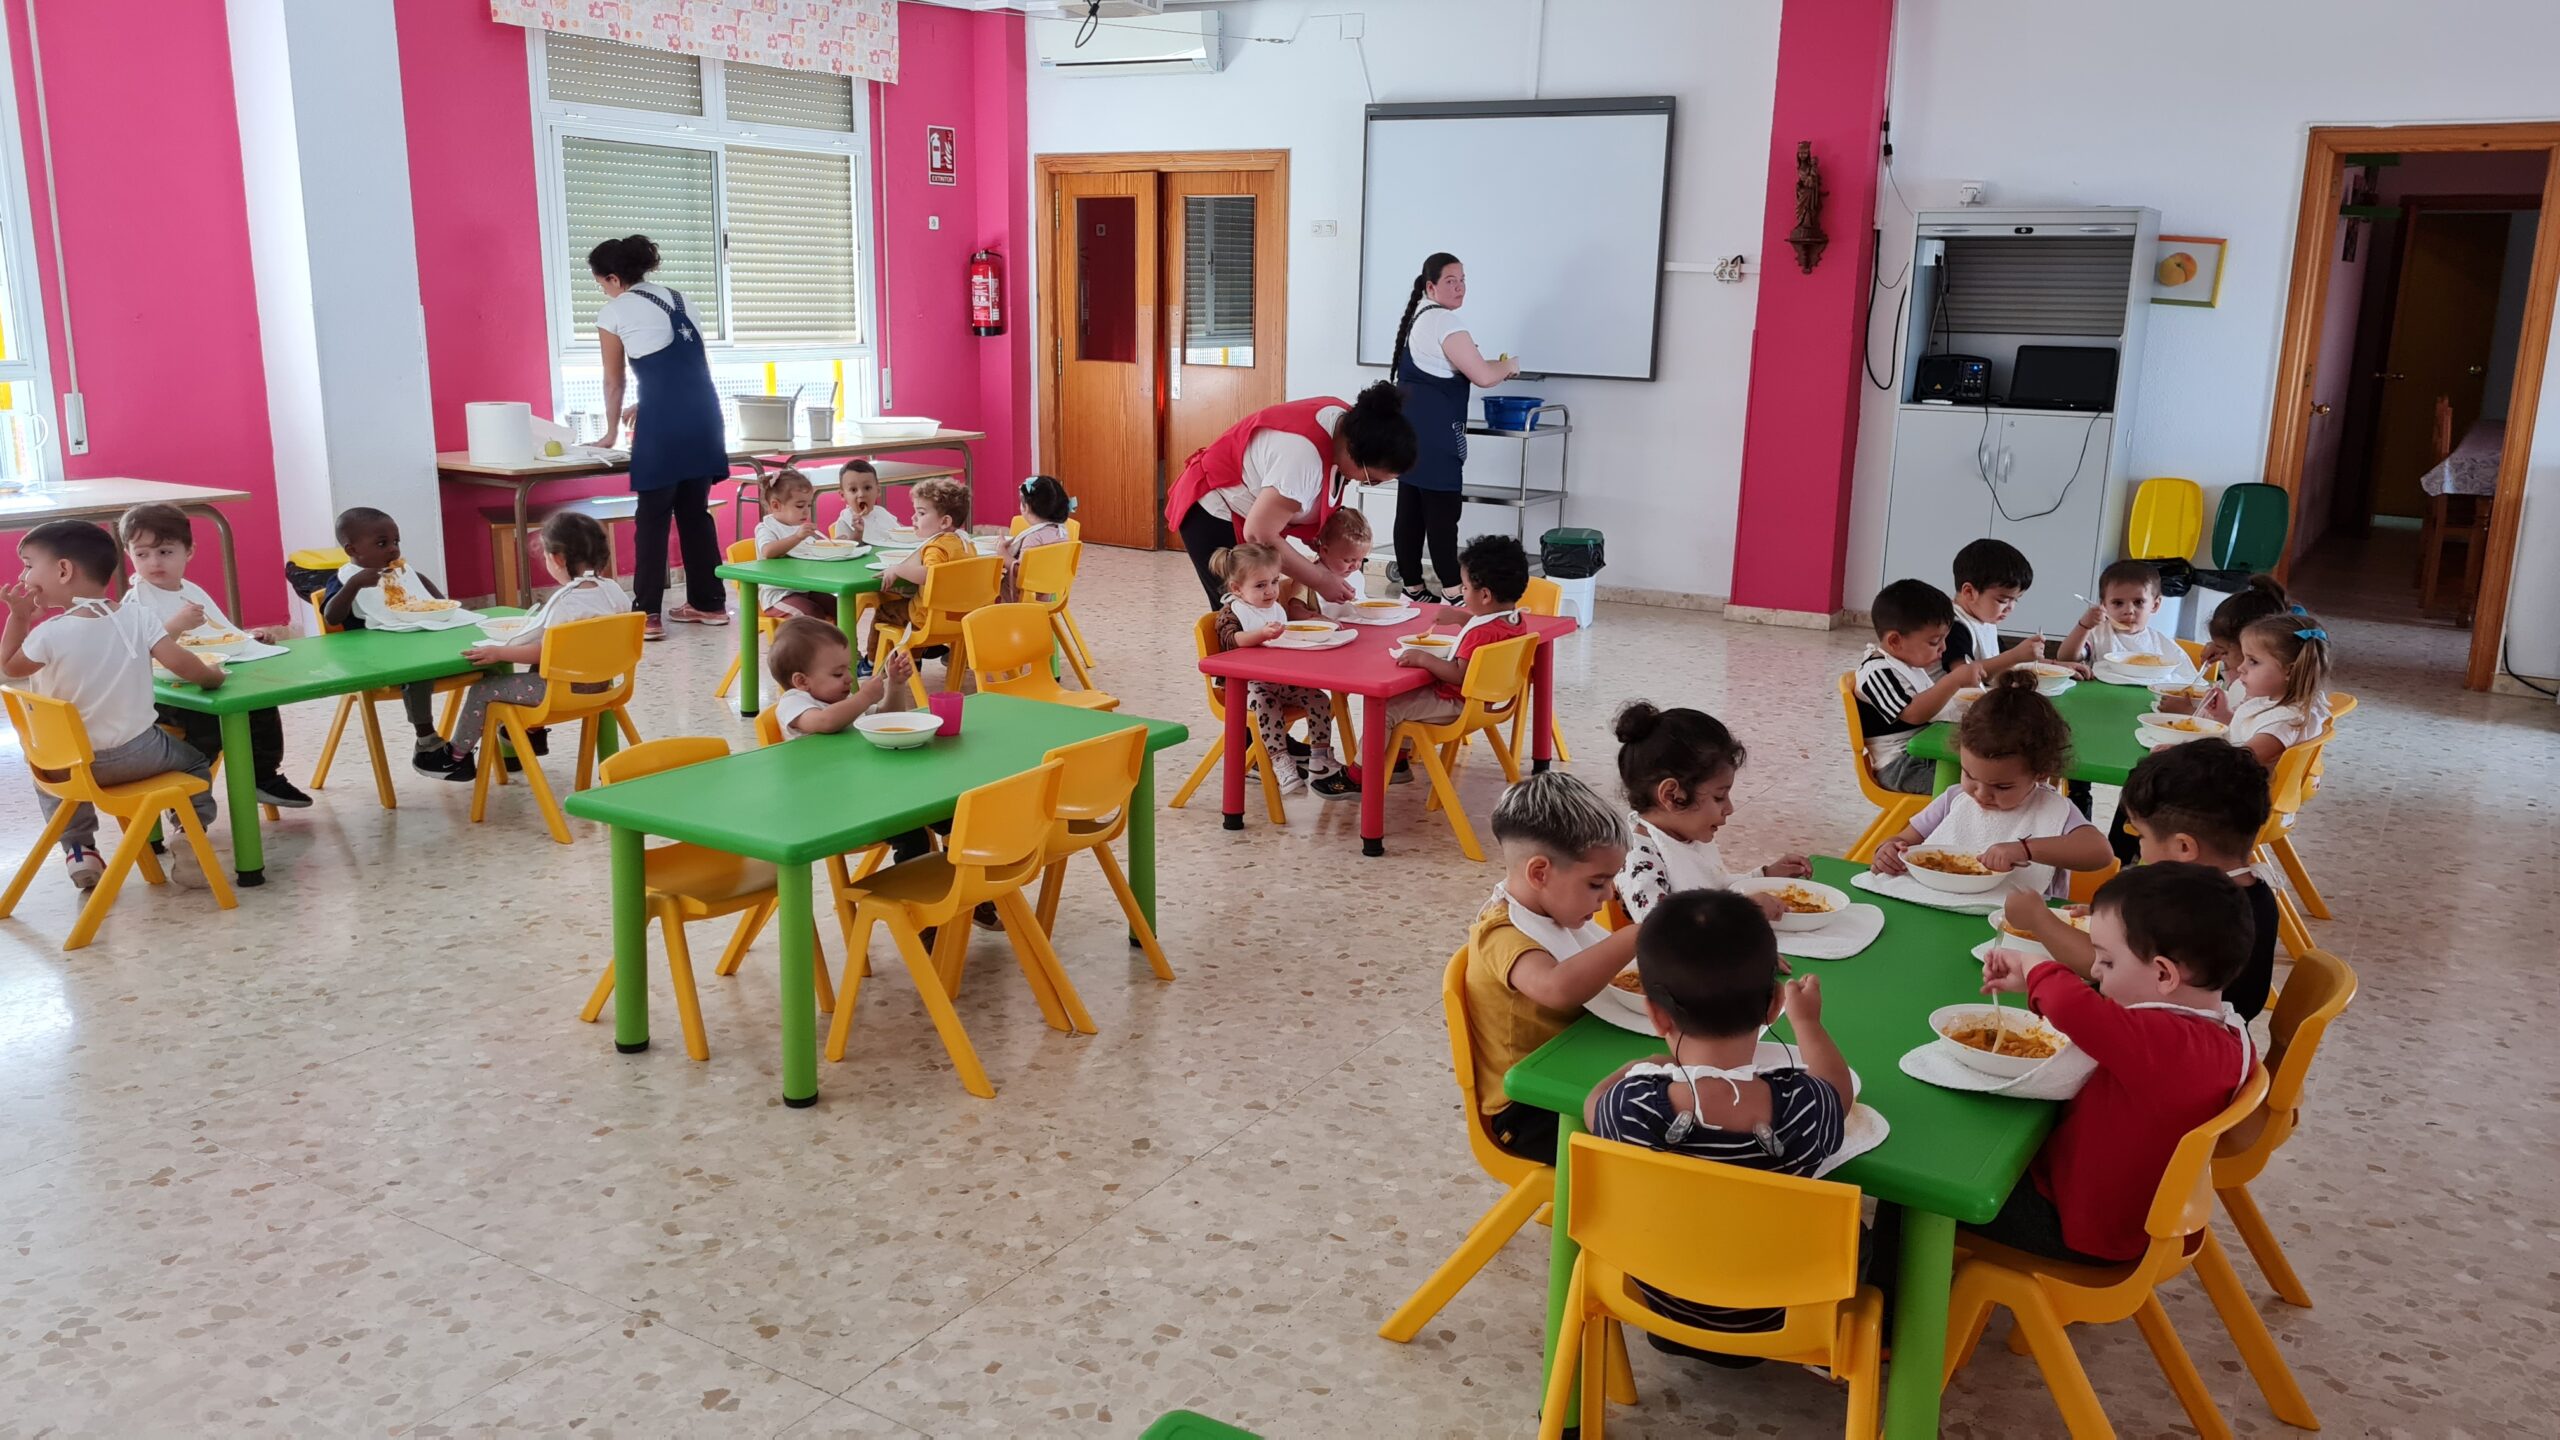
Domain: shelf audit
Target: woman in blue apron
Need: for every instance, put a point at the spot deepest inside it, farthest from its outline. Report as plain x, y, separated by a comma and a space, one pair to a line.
1435, 361
683, 450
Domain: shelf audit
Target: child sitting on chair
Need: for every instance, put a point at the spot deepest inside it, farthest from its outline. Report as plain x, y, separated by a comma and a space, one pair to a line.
864, 518
1534, 957
1712, 981
158, 541
1492, 572
1047, 507
2201, 803
1679, 766
1342, 546
942, 526
1895, 693
1991, 577
2283, 679
97, 656
813, 666
2120, 623
580, 557
2170, 1054
790, 503
1254, 614
2012, 745
371, 539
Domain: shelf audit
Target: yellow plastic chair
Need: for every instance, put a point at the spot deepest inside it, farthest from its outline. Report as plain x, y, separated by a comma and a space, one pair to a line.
2289, 786
2085, 884
361, 703
1743, 1239
2047, 1295
738, 553
950, 591
999, 838
2279, 845
2167, 522
1009, 648
685, 882
1894, 809
1097, 783
1543, 597
1496, 688
1051, 570
604, 650
1022, 522
56, 741
2316, 993
1204, 639
2195, 652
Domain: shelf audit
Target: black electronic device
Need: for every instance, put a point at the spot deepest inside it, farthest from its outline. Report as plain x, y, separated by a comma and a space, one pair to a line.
1952, 380
2063, 377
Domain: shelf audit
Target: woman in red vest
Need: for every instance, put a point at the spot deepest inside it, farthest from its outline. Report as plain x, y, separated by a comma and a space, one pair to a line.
1279, 472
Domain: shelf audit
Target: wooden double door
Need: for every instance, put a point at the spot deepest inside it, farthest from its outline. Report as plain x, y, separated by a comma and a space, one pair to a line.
1163, 321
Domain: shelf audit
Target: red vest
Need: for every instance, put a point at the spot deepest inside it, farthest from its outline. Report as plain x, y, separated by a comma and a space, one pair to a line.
1220, 463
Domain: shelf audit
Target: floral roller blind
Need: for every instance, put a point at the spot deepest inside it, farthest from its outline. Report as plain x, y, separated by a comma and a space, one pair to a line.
846, 37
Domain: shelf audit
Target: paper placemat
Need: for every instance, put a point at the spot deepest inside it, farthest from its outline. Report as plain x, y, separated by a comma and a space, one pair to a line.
1853, 930
1353, 615
1903, 887
2059, 1078
1862, 1130
2142, 677
1331, 639
830, 554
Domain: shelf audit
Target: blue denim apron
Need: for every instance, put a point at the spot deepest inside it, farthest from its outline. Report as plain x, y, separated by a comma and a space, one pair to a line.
1437, 406
679, 436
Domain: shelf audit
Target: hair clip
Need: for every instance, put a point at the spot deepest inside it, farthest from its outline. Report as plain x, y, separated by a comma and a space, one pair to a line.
2314, 633
2297, 610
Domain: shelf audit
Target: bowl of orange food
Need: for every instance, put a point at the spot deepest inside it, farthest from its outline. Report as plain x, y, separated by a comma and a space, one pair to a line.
2051, 679
2010, 937
1807, 904
1308, 629
1438, 647
1952, 871
2002, 1040
2159, 727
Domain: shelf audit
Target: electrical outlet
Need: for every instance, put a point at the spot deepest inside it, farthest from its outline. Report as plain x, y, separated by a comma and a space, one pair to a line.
1325, 229
1968, 192
933, 222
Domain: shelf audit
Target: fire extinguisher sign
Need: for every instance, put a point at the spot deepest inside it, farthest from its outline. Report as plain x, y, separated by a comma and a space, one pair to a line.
941, 155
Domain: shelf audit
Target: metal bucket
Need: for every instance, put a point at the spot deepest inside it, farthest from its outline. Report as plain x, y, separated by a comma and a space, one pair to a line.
764, 418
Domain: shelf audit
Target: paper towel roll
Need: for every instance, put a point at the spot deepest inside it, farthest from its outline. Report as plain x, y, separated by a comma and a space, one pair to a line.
499, 432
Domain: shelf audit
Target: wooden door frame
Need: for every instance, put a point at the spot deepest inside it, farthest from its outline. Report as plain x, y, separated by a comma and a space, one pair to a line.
2316, 233
1052, 321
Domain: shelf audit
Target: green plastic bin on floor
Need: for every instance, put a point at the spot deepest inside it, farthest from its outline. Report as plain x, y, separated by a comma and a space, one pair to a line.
2249, 528
1184, 1425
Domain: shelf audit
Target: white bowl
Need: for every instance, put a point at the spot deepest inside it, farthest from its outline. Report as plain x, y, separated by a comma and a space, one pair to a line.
1951, 884
816, 549
2180, 690
899, 729
2003, 938
1310, 629
894, 427
2051, 679
210, 641
2144, 663
2007, 1067
1771, 885
1437, 646
505, 629
2157, 729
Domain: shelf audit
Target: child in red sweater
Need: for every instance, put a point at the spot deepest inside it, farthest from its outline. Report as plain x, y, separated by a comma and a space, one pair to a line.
2170, 1055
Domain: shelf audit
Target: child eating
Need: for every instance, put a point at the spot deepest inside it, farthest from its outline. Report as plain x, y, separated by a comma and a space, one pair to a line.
1254, 614
2120, 623
2165, 940
2011, 744
1533, 955
2200, 803
1492, 572
580, 557
372, 542
2283, 680
158, 541
97, 655
864, 518
1991, 577
1342, 546
1895, 694
812, 665
1679, 767
942, 522
790, 516
1711, 974
1048, 507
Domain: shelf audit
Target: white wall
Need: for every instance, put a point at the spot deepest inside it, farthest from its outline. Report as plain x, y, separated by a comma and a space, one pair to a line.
1656, 464
2200, 108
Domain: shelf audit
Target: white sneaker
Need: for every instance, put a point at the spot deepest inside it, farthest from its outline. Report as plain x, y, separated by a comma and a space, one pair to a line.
85, 866
1285, 770
182, 868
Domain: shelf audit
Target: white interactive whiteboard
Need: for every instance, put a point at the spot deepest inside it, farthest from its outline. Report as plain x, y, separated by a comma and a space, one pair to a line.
1555, 207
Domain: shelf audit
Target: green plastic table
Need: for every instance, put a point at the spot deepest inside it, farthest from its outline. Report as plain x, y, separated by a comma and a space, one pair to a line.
319, 666
799, 802
844, 579
1192, 1425
2102, 718
1952, 1156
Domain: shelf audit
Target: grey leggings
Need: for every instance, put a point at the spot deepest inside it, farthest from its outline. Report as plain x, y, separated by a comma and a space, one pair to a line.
153, 752
525, 687
1269, 706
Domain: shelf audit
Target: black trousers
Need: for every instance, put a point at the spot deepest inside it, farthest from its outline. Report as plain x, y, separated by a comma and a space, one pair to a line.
688, 504
203, 734
1427, 516
1204, 535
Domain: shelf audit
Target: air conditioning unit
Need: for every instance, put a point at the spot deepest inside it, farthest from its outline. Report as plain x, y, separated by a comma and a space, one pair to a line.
1183, 43
1104, 9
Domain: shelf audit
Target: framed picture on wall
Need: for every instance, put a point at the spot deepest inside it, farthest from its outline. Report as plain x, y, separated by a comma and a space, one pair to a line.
2187, 270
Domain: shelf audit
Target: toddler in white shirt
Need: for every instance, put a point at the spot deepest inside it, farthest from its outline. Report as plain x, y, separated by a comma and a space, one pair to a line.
790, 516
1679, 766
2121, 622
158, 542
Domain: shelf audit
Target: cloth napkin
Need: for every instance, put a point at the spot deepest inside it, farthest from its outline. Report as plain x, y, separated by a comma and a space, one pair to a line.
1853, 930
2059, 1078
1903, 887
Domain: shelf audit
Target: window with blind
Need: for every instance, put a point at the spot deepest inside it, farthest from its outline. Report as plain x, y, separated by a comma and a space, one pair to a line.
1217, 279
30, 445
751, 180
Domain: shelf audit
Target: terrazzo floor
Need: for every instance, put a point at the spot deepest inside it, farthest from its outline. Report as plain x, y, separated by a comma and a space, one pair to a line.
343, 1162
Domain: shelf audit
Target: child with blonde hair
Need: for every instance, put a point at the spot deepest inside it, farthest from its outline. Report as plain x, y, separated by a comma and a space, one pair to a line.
942, 530
2012, 745
790, 516
1342, 546
1254, 614
2283, 679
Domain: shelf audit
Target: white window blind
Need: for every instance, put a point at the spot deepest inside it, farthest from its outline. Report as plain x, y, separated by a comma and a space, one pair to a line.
580, 71
1217, 279
792, 277
806, 100
610, 188
2044, 285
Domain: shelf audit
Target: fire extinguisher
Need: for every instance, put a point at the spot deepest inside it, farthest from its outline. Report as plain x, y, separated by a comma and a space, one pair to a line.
986, 294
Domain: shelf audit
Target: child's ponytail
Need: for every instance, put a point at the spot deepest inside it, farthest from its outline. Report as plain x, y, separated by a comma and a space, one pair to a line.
2011, 718
2300, 644
2263, 596
1233, 564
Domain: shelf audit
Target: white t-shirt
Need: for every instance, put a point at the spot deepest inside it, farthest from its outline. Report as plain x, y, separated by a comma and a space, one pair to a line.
644, 328
1433, 326
793, 705
1953, 821
97, 655
769, 530
1885, 688
164, 603
877, 525
1278, 460
1660, 865
2107, 641
586, 597
2266, 715
1985, 633
1254, 617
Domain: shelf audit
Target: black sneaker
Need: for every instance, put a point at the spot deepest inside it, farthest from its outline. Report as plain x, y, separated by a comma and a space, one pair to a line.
1423, 595
1335, 784
540, 735
985, 916
281, 793
1402, 774
1298, 749
437, 759
462, 768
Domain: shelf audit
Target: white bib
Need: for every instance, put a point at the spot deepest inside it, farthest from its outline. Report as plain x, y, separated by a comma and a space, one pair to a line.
1969, 829
1552, 937
1686, 864
1254, 617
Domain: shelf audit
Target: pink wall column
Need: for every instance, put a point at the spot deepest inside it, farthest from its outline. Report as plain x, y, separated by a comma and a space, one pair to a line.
1800, 438
1003, 175
155, 229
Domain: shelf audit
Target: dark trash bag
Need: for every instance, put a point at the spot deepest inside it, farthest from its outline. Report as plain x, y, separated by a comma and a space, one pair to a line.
2177, 577
1570, 552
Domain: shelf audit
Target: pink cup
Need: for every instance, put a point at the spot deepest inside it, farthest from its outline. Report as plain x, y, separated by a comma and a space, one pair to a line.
945, 706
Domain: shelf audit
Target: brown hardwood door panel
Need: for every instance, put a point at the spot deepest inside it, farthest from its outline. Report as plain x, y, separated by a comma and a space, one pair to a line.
2440, 327
1224, 298
1104, 320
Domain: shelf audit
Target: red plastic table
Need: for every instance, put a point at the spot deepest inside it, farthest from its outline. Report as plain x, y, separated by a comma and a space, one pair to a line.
1367, 668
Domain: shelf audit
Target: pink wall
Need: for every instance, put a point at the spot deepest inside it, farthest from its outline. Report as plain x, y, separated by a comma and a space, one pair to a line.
1800, 437
155, 227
